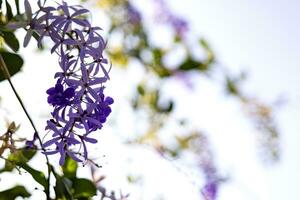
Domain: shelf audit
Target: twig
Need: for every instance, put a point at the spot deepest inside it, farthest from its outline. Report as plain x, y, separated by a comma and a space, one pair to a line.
7, 76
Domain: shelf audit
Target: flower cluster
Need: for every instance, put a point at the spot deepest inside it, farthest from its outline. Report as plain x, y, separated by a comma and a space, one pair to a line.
211, 187
212, 177
79, 104
179, 25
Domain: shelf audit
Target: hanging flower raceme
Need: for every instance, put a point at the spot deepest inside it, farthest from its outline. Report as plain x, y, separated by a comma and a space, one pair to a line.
79, 104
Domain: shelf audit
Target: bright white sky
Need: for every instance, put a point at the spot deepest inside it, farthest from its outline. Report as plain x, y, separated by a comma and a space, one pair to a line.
263, 38
258, 36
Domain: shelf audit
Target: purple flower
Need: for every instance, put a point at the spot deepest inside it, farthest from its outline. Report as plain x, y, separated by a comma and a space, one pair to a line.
79, 104
85, 44
68, 65
134, 16
62, 145
101, 111
84, 139
30, 143
179, 25
63, 22
63, 139
209, 191
30, 24
60, 97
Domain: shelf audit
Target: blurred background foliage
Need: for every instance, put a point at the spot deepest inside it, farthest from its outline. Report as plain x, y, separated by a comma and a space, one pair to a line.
130, 41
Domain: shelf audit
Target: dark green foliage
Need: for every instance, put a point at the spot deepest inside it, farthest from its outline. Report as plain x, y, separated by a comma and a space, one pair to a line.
11, 40
17, 191
158, 67
191, 64
84, 188
20, 159
9, 13
38, 176
13, 61
19, 156
63, 188
141, 90
231, 86
76, 188
69, 186
28, 153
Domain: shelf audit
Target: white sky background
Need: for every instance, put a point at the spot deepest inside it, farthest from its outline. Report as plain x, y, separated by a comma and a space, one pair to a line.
263, 38
260, 37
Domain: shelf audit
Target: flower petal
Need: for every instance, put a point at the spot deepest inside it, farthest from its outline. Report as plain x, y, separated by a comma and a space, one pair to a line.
27, 37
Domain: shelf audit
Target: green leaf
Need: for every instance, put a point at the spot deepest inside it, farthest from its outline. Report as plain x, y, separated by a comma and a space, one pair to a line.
141, 90
70, 168
191, 64
84, 188
161, 71
9, 13
63, 188
231, 87
38, 176
21, 155
17, 191
157, 55
28, 153
13, 61
11, 40
204, 44
20, 158
8, 167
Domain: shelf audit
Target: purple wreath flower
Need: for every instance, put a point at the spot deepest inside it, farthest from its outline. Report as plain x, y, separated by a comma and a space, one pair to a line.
63, 22
210, 190
179, 25
79, 104
134, 16
60, 97
30, 144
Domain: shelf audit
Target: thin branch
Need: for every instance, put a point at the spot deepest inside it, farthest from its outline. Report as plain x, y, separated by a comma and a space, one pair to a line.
7, 76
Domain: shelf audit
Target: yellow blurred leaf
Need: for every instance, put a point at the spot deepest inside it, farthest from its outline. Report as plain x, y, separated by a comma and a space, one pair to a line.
118, 57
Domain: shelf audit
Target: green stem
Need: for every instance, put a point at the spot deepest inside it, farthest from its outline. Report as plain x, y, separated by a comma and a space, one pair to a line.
7, 76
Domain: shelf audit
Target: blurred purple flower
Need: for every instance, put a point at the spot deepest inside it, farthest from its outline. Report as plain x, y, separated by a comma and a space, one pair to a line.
164, 15
209, 191
134, 16
180, 25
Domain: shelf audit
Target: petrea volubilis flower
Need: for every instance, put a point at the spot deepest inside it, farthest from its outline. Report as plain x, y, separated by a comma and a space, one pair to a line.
60, 97
210, 190
134, 16
213, 179
179, 25
80, 106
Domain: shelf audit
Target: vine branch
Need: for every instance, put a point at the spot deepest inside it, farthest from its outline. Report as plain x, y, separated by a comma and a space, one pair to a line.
8, 78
